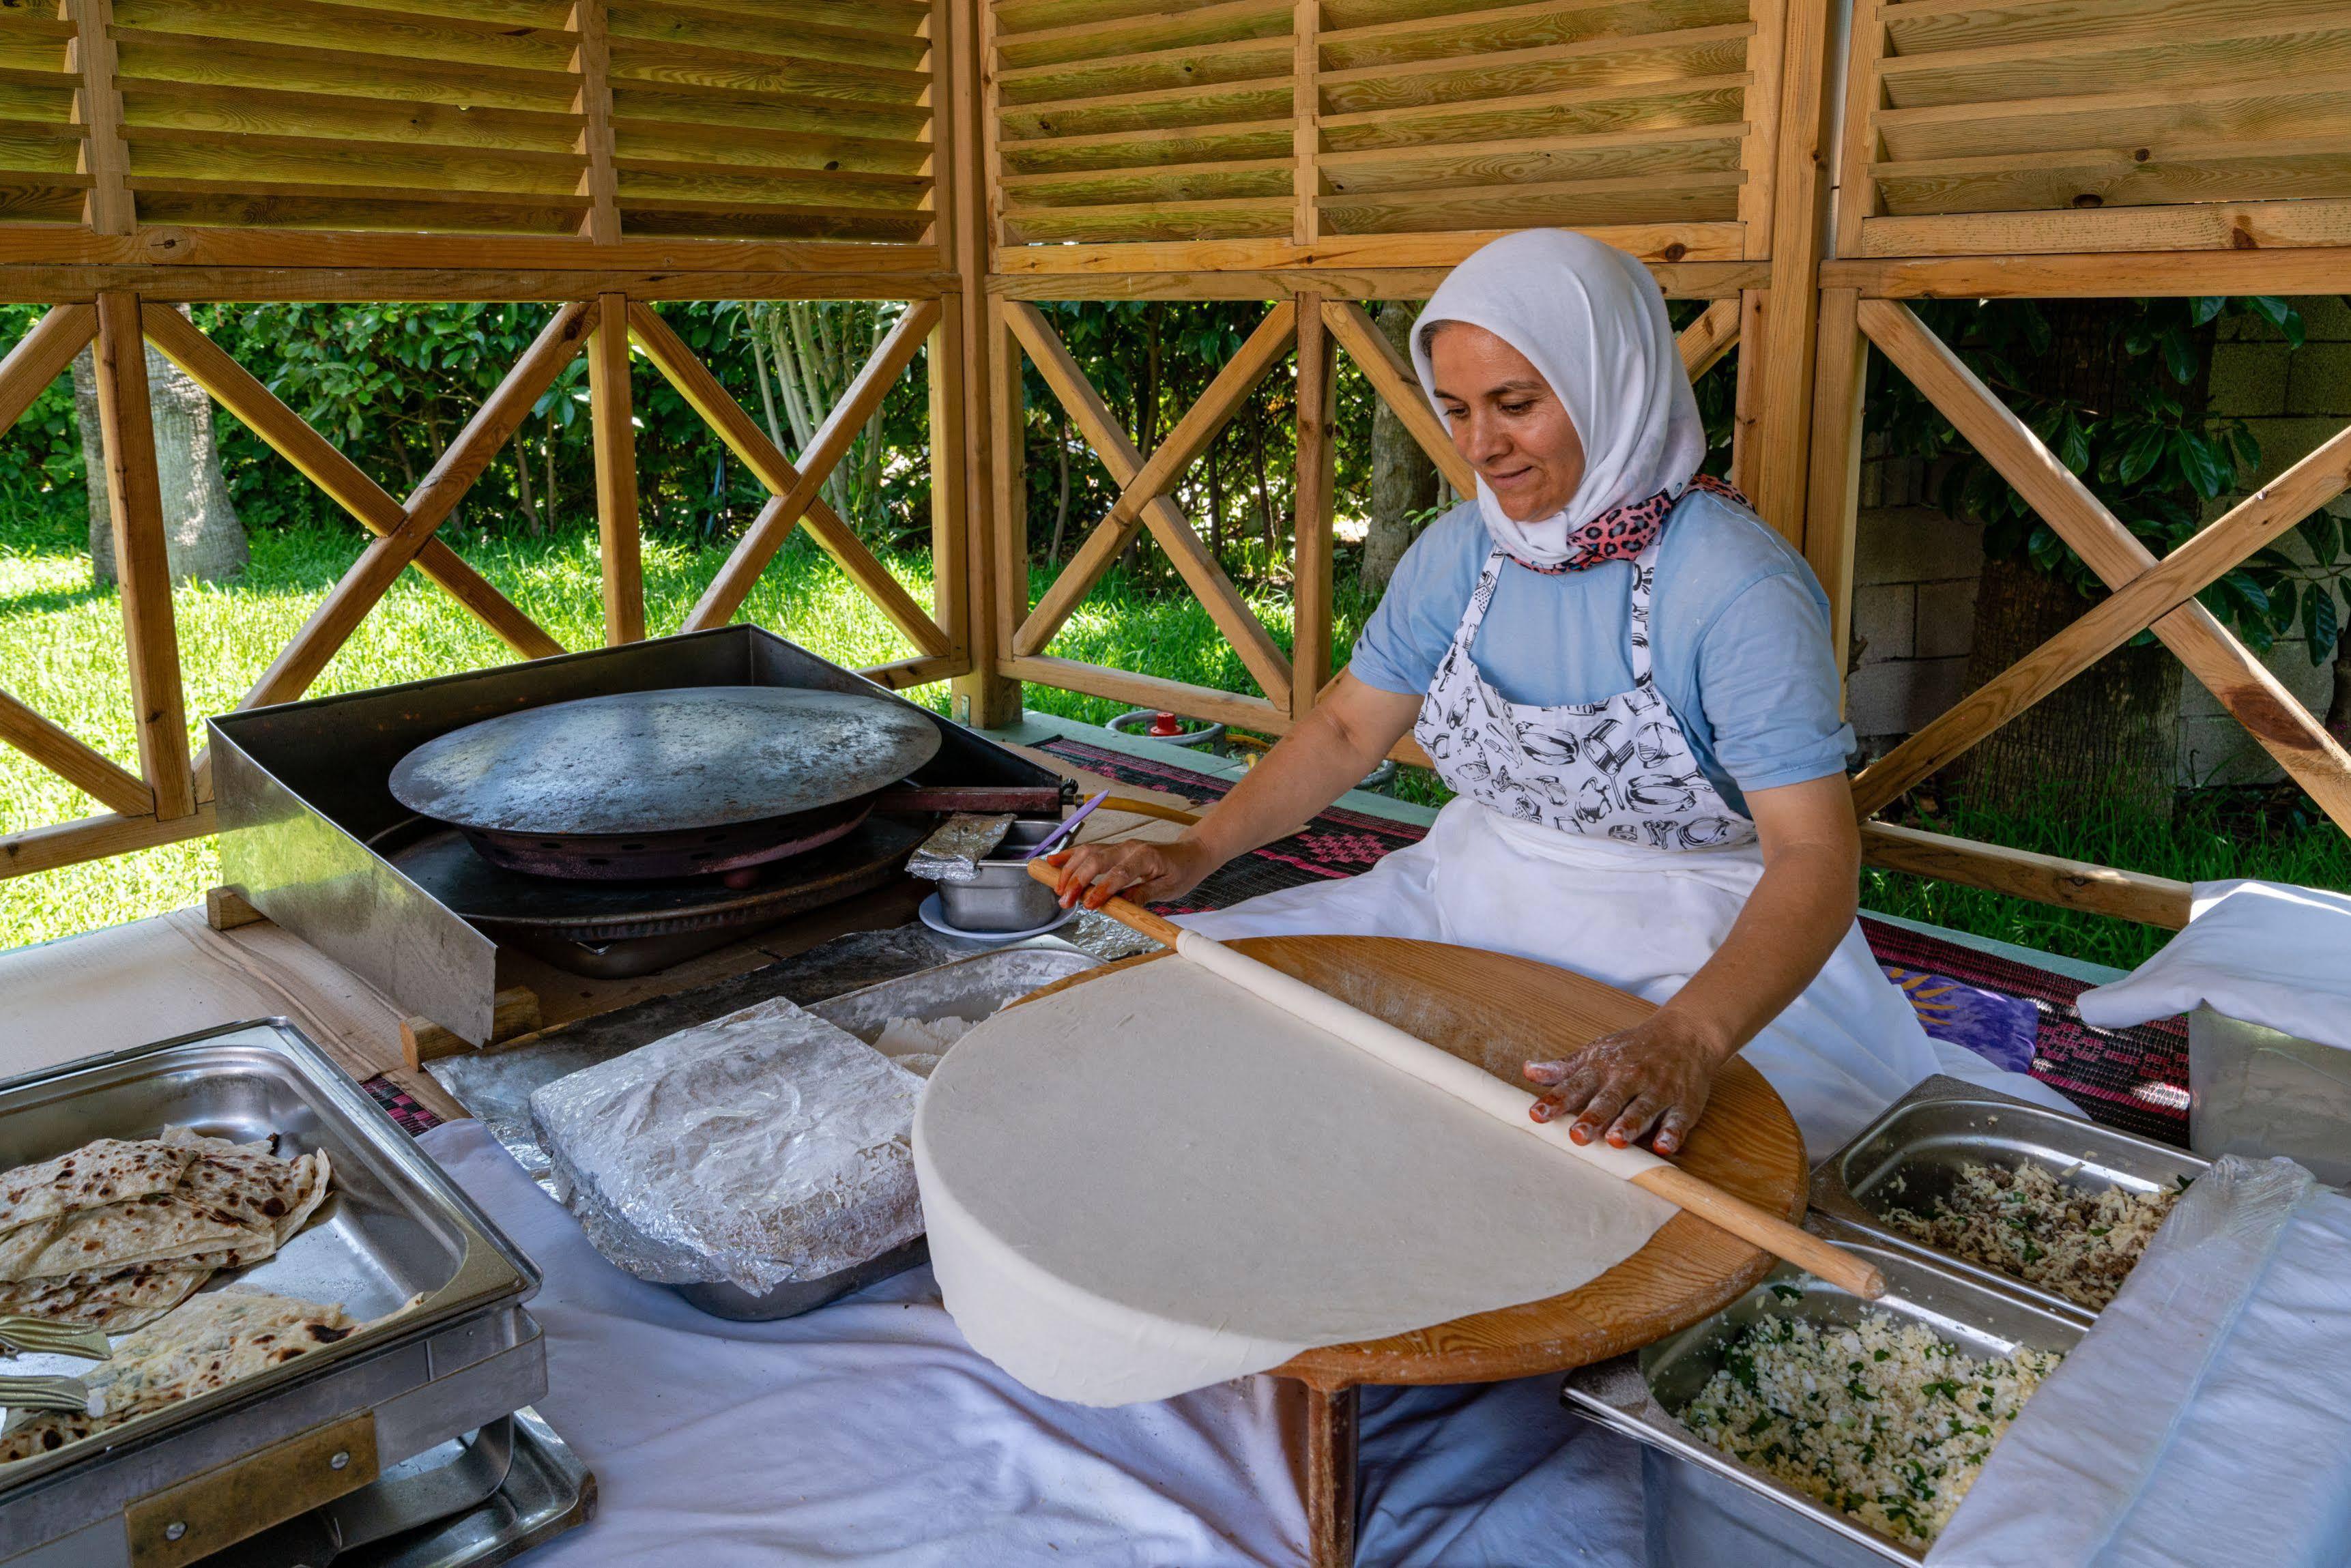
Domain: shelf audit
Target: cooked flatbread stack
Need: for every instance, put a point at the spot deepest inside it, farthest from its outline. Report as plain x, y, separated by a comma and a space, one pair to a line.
207, 1344
117, 1232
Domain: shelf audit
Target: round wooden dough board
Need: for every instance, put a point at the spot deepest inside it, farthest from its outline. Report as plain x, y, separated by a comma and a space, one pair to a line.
1501, 1012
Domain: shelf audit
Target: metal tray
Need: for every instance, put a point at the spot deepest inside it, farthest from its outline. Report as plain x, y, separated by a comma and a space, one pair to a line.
1921, 1141
1699, 1507
395, 1231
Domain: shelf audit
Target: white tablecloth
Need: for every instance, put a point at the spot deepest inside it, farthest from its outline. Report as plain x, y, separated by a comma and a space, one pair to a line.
870, 1433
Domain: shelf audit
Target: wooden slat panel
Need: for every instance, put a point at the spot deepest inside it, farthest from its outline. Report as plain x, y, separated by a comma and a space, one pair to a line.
1512, 27
1536, 160
2295, 107
1701, 51
2118, 176
1675, 101
2249, 48
1930, 26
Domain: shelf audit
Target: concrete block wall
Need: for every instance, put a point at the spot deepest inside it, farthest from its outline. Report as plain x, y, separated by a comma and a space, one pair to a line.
1916, 567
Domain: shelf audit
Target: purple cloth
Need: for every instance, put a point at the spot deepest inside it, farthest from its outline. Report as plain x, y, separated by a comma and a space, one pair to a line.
2001, 1028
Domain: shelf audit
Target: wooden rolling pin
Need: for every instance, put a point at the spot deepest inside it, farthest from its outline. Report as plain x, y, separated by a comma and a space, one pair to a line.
1464, 1080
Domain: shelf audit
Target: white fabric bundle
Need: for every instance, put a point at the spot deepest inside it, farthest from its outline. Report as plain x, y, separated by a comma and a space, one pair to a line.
1592, 320
2207, 1418
2263, 951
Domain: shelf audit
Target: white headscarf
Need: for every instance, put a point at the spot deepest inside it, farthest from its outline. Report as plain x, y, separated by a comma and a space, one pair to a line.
1592, 320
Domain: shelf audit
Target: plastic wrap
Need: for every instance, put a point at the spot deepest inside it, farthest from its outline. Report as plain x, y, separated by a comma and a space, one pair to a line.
952, 853
2207, 1416
764, 1147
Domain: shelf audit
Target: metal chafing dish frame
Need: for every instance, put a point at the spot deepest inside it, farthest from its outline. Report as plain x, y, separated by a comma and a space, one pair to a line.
303, 787
1945, 1119
1622, 1394
265, 1447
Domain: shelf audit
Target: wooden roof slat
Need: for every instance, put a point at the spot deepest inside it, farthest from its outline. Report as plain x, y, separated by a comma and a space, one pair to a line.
554, 14
165, 59
1145, 148
1166, 183
388, 37
2118, 176
721, 186
657, 103
716, 220
1602, 62
2217, 112
1704, 101
1243, 59
1160, 29
1151, 220
2249, 49
1534, 159
778, 37
683, 65
1220, 104
1927, 26
1645, 198
224, 159
1510, 28
151, 107
654, 140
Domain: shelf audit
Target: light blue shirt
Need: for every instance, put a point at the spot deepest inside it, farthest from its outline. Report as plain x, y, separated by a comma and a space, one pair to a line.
1740, 638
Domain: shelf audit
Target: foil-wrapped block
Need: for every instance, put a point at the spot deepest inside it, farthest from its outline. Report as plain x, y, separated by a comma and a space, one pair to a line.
764, 1147
952, 853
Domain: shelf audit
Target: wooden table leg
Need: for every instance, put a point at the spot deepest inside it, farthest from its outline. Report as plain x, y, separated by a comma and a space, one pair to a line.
1331, 1478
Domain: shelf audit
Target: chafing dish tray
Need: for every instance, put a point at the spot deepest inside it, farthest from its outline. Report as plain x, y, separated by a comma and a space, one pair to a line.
1910, 1158
448, 1347
1702, 1507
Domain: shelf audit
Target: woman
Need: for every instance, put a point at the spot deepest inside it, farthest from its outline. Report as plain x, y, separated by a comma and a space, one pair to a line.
1626, 678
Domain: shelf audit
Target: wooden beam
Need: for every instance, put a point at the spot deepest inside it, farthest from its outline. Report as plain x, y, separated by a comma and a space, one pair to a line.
1209, 415
362, 587
1832, 514
592, 64
1714, 334
41, 356
1200, 571
98, 838
142, 566
1312, 587
227, 909
514, 1012
2044, 879
1776, 473
922, 671
1399, 388
2156, 274
1000, 588
614, 423
794, 501
71, 760
2146, 591
108, 207
1744, 416
702, 390
1708, 256
1149, 691
237, 389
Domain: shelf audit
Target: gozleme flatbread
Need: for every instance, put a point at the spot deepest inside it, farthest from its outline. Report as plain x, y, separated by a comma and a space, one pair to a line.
111, 1170
205, 1344
146, 1230
258, 1191
116, 1302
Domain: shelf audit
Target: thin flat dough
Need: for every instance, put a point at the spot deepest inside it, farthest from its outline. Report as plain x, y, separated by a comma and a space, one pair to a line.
1154, 1181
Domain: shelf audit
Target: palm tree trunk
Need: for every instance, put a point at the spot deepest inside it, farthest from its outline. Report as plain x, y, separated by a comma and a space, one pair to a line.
202, 536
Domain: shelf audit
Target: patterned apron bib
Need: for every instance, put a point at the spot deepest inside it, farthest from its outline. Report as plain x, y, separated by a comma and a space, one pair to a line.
1619, 769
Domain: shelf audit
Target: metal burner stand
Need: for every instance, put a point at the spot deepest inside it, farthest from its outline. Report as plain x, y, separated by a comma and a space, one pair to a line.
303, 790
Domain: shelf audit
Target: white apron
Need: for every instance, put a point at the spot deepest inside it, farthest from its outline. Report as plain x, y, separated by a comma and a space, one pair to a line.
1586, 835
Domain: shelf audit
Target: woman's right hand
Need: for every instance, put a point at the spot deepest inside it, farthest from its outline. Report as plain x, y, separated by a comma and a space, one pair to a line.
1136, 869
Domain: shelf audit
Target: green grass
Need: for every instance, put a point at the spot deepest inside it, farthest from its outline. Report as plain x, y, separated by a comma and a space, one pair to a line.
61, 651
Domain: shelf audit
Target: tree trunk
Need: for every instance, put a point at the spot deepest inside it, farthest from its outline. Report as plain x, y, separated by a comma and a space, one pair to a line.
2109, 737
1404, 481
203, 538
2338, 709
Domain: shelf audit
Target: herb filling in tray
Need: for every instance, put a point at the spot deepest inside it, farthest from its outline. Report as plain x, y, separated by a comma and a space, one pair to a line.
1880, 1420
2030, 1223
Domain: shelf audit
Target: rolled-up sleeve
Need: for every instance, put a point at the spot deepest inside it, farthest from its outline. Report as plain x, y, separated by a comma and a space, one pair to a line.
1768, 681
1406, 635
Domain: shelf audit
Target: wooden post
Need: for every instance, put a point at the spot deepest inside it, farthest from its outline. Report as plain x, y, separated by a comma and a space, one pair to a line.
1832, 514
1776, 472
1312, 587
1754, 303
985, 434
1306, 118
614, 427
592, 64
108, 208
134, 498
1331, 1455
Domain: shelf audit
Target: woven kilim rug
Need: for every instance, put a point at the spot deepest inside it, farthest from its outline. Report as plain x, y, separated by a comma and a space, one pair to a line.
2017, 1015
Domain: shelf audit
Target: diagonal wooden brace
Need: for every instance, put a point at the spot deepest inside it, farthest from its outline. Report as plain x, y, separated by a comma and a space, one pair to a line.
2149, 594
1259, 655
1198, 427
372, 576
237, 389
66, 757
796, 490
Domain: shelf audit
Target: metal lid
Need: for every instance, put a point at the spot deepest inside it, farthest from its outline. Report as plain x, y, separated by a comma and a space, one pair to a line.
642, 762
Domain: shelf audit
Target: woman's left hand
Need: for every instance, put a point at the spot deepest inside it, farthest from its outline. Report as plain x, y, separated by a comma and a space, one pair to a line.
1657, 1074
